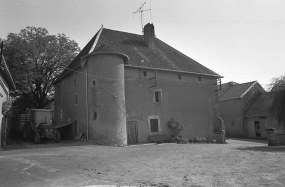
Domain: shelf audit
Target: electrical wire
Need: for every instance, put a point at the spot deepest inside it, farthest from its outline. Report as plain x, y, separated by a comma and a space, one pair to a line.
150, 12
255, 72
91, 75
171, 82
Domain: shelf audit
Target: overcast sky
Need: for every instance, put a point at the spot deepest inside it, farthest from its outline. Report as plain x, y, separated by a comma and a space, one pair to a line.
242, 40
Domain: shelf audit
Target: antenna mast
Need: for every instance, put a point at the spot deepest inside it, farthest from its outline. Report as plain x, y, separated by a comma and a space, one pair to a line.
140, 10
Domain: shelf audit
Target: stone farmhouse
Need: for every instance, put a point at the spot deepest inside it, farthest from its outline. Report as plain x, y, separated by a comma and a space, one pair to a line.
123, 88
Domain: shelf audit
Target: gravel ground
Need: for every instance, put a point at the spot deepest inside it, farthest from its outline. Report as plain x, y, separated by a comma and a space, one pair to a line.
237, 163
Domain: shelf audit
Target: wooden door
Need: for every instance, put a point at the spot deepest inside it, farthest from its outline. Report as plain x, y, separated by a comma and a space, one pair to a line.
132, 129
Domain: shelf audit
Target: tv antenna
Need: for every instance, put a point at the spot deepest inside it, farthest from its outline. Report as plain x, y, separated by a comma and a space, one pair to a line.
141, 10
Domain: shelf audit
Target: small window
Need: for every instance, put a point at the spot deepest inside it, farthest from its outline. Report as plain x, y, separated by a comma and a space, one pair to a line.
75, 99
94, 82
95, 116
157, 96
153, 125
74, 83
144, 73
179, 77
199, 78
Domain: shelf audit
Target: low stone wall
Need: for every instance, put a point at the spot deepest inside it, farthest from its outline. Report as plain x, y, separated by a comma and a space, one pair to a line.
275, 139
219, 137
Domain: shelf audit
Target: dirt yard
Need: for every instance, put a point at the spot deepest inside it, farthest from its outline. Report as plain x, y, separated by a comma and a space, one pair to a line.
238, 163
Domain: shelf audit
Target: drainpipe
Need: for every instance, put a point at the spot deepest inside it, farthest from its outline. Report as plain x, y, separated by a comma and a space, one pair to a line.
83, 62
87, 109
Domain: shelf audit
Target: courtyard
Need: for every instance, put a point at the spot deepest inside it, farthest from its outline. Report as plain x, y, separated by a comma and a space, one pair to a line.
240, 162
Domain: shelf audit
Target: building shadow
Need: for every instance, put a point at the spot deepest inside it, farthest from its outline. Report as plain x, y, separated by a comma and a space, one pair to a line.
263, 148
255, 140
45, 143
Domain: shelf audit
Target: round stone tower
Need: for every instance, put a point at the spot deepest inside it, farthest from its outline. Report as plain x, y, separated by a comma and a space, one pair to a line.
106, 97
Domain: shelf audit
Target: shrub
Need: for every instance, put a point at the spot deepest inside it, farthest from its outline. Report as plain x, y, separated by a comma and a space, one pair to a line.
174, 138
204, 140
184, 140
175, 127
197, 140
6, 107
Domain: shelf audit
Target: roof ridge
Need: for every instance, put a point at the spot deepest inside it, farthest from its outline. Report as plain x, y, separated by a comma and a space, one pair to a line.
247, 82
122, 31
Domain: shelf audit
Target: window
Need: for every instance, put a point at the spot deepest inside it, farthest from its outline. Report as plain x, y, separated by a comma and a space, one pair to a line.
75, 97
154, 124
199, 78
94, 82
95, 116
144, 73
158, 96
179, 77
74, 83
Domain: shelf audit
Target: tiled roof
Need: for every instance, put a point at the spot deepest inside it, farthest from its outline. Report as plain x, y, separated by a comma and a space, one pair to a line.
162, 56
261, 106
234, 91
225, 87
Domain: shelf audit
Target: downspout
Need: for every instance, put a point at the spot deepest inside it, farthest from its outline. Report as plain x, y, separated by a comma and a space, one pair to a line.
86, 92
83, 62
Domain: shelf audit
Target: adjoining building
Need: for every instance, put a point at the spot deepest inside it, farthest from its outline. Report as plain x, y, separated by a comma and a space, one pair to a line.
258, 117
234, 102
6, 84
123, 88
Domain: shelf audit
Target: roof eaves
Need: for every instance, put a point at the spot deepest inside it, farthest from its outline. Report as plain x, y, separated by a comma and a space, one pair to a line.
66, 74
86, 50
230, 99
10, 79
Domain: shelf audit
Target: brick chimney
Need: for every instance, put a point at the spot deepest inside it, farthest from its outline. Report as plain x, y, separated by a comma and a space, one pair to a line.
149, 35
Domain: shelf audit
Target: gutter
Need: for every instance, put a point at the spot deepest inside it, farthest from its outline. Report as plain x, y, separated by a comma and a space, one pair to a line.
83, 62
248, 116
193, 73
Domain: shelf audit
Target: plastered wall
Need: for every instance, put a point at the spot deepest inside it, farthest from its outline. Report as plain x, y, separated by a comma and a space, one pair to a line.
187, 100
